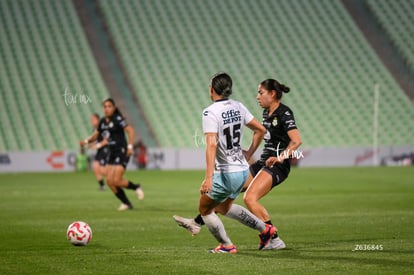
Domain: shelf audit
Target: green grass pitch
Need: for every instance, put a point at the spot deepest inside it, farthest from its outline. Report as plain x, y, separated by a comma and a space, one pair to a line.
323, 215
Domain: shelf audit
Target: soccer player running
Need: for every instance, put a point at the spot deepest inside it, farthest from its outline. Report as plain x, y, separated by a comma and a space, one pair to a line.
282, 139
113, 127
99, 162
226, 166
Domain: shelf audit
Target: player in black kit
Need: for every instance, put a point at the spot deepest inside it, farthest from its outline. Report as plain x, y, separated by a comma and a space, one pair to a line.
113, 127
101, 154
281, 143
282, 140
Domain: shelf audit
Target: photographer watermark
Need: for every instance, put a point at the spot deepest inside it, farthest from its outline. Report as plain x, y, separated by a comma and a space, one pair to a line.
76, 98
283, 153
368, 247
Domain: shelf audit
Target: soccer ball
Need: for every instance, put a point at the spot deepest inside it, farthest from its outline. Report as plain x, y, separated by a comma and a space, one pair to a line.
79, 233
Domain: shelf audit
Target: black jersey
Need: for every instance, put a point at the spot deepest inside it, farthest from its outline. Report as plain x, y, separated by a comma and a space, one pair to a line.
103, 149
276, 138
113, 131
100, 136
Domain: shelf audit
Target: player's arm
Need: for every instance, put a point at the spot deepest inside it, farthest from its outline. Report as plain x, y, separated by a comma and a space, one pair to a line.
258, 134
131, 135
295, 142
90, 139
211, 148
99, 145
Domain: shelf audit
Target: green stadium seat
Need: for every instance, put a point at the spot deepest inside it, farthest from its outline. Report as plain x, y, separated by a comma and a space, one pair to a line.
171, 48
44, 54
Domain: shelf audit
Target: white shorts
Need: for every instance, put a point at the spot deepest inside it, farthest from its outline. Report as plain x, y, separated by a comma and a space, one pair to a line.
227, 185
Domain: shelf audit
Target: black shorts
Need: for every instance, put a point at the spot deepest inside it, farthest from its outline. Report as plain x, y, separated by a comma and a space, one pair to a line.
118, 157
101, 156
278, 172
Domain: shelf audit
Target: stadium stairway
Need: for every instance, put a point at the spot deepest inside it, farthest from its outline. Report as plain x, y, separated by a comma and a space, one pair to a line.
395, 48
112, 70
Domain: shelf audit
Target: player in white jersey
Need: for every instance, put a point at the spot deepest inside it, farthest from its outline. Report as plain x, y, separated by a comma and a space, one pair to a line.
226, 166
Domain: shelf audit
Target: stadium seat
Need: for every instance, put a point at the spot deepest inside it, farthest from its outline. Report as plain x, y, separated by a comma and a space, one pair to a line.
171, 48
44, 52
396, 19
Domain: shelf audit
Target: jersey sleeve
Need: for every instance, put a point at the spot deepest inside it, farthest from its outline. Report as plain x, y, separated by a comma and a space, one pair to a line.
99, 128
247, 115
210, 123
288, 119
120, 120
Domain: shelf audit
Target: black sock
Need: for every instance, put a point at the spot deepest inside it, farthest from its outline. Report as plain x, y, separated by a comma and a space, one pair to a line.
199, 220
133, 186
101, 182
120, 194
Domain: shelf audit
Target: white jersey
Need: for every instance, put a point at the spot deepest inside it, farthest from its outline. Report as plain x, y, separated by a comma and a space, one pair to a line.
227, 117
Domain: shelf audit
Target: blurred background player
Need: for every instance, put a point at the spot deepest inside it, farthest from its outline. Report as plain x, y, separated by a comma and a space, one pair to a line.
282, 139
140, 153
113, 127
82, 161
99, 162
226, 167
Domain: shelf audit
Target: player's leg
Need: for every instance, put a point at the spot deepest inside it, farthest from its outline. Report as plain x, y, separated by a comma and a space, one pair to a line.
244, 216
247, 182
109, 177
194, 225
123, 160
241, 214
117, 173
133, 186
215, 225
261, 185
98, 174
102, 170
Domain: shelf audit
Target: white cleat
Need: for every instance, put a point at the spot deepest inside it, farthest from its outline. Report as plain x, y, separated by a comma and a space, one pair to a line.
189, 224
124, 207
275, 244
140, 193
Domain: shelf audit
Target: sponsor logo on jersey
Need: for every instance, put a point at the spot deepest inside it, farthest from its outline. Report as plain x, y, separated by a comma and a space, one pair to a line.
231, 116
274, 122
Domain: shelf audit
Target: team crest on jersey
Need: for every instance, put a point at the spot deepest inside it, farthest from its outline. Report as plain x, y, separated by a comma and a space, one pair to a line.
111, 124
274, 122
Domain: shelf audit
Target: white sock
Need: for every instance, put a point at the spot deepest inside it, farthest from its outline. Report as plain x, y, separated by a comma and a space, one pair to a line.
246, 217
216, 227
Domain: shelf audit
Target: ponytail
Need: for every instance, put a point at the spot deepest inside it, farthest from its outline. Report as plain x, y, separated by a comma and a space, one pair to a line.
222, 84
273, 85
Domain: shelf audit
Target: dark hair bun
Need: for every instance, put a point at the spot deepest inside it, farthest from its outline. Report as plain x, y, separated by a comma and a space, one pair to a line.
222, 84
284, 88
